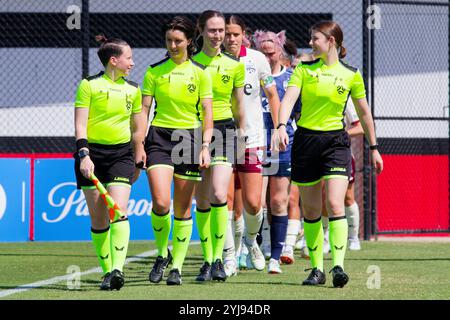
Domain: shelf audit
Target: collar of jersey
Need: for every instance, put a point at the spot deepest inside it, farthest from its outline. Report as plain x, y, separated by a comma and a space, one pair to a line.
105, 76
179, 65
283, 70
243, 51
326, 67
217, 55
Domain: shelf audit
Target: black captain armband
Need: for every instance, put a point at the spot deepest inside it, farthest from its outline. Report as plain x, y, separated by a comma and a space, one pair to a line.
374, 147
82, 143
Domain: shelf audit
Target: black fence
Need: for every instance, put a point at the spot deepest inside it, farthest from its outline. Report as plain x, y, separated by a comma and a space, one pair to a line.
47, 47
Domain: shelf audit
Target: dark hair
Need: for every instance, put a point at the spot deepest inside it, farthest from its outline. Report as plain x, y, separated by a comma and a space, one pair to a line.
331, 28
290, 48
205, 16
112, 47
184, 25
234, 19
201, 23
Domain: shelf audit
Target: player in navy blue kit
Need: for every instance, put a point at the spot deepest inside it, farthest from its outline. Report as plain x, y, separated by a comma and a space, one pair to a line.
276, 165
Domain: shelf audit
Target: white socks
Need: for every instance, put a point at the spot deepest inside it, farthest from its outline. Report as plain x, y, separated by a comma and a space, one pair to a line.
228, 248
352, 214
252, 224
292, 232
238, 233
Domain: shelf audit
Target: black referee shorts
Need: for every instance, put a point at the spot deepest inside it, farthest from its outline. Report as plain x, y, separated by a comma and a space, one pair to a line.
223, 143
114, 164
318, 155
175, 148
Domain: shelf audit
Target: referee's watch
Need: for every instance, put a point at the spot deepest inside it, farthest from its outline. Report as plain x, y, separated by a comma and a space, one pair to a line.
373, 147
83, 153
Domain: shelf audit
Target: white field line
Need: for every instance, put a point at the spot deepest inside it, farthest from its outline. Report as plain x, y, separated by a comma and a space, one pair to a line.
29, 286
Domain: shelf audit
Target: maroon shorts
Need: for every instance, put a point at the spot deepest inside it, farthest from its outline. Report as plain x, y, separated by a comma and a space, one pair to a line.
251, 162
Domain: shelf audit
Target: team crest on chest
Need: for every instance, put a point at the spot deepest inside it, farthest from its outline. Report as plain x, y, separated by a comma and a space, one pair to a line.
192, 87
225, 78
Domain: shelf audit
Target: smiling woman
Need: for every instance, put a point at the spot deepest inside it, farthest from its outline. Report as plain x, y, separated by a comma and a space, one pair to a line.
178, 85
321, 146
227, 76
109, 131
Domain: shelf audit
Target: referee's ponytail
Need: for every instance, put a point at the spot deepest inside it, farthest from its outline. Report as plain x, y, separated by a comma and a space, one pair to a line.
332, 29
112, 47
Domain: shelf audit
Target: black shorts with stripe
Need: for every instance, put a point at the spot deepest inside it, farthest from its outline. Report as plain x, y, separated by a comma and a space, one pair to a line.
113, 164
318, 155
223, 143
175, 148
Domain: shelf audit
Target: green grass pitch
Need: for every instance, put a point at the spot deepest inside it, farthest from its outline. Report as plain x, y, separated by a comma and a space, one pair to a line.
381, 270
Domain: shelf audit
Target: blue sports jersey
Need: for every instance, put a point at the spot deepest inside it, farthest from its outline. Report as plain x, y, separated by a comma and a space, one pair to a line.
281, 80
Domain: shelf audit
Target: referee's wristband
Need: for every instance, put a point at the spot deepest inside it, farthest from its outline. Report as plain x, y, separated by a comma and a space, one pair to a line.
374, 147
281, 124
82, 143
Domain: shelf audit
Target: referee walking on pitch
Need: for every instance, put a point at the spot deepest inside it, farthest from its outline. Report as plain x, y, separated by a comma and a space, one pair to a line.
179, 86
105, 139
321, 149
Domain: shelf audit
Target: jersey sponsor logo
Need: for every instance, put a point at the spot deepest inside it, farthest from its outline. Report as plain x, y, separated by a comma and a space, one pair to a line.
225, 78
192, 87
178, 73
2, 202
312, 73
121, 179
338, 169
248, 89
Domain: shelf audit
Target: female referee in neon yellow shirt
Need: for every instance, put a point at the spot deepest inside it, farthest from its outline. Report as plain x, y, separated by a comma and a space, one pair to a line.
174, 147
105, 104
227, 76
321, 149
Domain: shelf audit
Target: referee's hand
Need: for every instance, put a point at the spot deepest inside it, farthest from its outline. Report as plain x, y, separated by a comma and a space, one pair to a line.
86, 167
204, 158
284, 138
377, 161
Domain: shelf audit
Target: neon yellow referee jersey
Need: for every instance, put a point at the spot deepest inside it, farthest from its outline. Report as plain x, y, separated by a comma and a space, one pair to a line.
110, 107
324, 93
226, 73
177, 90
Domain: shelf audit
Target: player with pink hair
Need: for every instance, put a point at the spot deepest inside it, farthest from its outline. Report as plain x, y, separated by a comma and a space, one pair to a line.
276, 165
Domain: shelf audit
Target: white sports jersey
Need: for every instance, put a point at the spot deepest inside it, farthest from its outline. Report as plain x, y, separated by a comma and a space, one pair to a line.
351, 117
257, 74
